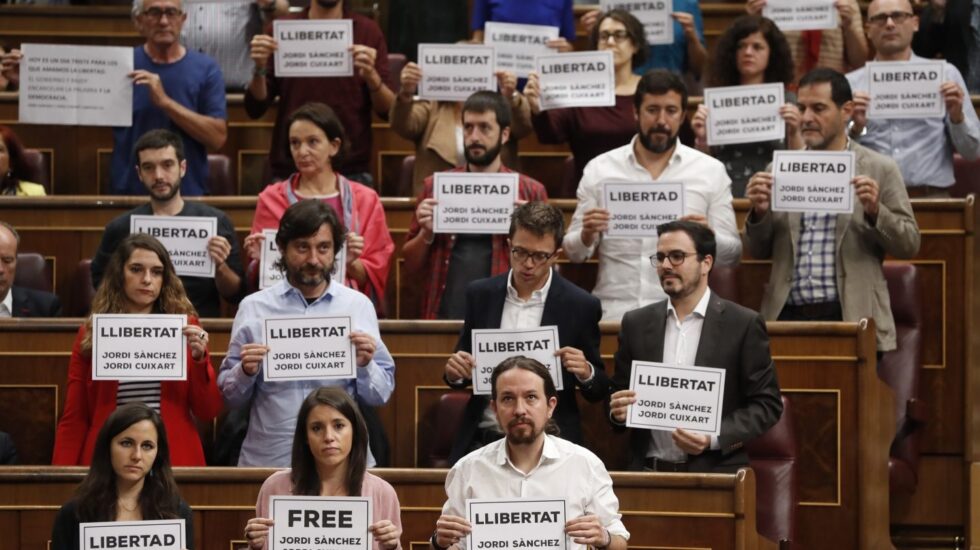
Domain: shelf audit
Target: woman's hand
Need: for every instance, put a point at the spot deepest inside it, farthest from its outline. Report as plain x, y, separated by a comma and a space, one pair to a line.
197, 339
256, 531
253, 246
386, 534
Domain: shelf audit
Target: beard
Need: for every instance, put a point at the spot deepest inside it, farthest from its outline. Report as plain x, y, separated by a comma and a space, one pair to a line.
646, 139
327, 3
516, 438
163, 197
486, 158
309, 275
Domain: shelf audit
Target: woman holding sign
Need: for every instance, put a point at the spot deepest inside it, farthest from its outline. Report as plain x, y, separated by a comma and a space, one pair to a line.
591, 131
751, 51
329, 460
139, 280
129, 480
317, 142
13, 167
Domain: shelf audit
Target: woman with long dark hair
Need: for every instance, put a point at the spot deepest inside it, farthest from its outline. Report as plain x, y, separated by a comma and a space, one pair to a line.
751, 51
13, 167
129, 479
139, 279
330, 459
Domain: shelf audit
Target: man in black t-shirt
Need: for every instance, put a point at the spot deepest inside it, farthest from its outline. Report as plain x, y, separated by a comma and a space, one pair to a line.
160, 163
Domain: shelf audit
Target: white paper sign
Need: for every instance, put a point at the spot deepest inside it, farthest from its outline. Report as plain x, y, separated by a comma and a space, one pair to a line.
471, 202
802, 15
138, 347
84, 85
309, 348
517, 45
491, 346
165, 534
185, 238
658, 25
317, 523
317, 47
670, 397
906, 89
744, 114
812, 181
581, 79
270, 275
454, 73
637, 208
516, 523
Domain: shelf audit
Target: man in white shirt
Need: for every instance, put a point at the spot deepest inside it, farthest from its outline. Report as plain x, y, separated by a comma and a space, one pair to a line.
654, 154
529, 462
699, 329
530, 295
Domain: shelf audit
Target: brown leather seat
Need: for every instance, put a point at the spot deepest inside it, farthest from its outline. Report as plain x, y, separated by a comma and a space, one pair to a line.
82, 290
901, 369
438, 427
396, 62
219, 176
773, 458
406, 176
33, 272
37, 169
723, 281
569, 183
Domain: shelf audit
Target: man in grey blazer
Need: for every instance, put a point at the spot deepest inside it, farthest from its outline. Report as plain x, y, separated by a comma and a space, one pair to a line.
827, 267
695, 327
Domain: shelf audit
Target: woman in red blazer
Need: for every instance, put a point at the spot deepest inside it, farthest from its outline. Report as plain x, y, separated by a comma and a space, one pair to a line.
139, 279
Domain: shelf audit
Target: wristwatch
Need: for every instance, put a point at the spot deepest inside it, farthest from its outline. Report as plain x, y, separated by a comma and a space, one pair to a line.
432, 541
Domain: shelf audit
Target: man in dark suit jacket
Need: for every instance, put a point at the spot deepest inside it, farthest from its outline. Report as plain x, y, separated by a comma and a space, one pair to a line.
18, 301
704, 330
530, 295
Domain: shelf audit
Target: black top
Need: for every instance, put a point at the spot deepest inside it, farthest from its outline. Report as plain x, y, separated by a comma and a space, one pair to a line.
64, 534
201, 291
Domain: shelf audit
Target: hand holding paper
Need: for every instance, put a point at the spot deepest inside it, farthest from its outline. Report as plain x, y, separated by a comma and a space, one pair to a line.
574, 362
253, 246
386, 533
261, 47
355, 246
759, 192
953, 96
689, 442
219, 248
506, 83
252, 356
410, 78
460, 366
153, 84
256, 531
10, 65
364, 346
197, 339
451, 529
866, 190
587, 530
619, 403
594, 222
364, 58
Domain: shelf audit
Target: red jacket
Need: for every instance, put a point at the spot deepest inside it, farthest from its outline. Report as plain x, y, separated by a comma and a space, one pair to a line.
88, 403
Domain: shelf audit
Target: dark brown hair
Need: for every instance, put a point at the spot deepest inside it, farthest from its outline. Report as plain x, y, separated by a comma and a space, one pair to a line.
540, 218
533, 366
724, 66
18, 165
306, 480
324, 118
633, 28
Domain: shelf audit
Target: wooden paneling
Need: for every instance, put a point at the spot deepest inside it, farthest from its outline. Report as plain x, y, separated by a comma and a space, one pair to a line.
844, 421
659, 510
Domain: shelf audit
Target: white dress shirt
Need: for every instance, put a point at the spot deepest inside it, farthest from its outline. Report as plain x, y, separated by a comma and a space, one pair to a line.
519, 313
681, 339
565, 471
626, 280
7, 305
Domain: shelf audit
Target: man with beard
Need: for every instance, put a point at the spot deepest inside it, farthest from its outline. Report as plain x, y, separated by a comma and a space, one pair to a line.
309, 237
160, 164
447, 263
654, 154
530, 461
827, 267
696, 328
352, 97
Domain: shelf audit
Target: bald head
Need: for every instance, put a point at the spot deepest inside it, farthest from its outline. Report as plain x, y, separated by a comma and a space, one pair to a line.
891, 24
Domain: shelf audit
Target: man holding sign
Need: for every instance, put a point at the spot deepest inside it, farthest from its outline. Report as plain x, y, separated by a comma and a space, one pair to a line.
654, 155
922, 143
700, 329
532, 294
812, 251
309, 237
160, 164
447, 262
531, 463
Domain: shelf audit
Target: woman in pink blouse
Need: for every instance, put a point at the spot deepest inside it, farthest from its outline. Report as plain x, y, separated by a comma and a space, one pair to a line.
329, 459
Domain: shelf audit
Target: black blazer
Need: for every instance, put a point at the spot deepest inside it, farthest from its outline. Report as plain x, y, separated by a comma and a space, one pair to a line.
574, 311
733, 338
34, 303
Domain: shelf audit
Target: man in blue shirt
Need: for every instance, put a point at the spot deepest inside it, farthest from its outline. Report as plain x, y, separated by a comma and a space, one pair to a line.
309, 237
552, 13
177, 89
922, 147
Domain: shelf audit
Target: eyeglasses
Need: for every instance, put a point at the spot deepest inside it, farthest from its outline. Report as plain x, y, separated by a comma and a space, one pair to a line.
676, 257
898, 17
537, 258
157, 13
617, 36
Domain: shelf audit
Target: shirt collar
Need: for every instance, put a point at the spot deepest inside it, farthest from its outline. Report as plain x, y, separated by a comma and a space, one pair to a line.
8, 301
537, 296
284, 288
700, 310
548, 452
675, 157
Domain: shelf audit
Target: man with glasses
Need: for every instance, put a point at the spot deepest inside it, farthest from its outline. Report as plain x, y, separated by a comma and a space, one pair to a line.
922, 147
445, 263
698, 329
530, 295
654, 154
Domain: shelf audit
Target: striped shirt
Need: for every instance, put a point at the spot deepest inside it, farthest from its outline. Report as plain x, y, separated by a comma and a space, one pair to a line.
138, 391
224, 30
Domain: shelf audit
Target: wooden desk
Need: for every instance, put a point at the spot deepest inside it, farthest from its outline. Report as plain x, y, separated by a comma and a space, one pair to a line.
659, 510
844, 418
